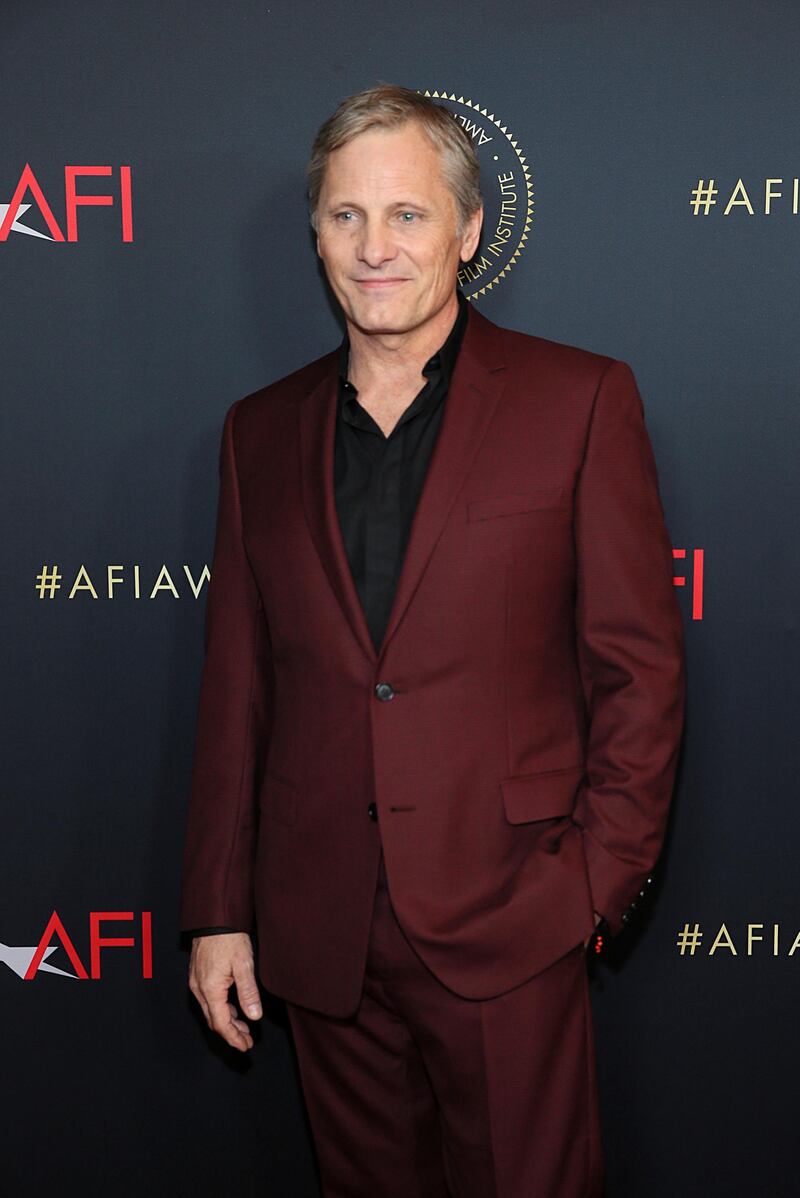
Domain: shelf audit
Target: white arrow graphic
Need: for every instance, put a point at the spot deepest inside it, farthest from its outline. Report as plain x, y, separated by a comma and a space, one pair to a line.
17, 227
19, 959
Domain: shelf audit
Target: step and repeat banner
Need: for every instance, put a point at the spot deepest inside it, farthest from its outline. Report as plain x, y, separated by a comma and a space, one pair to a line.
640, 169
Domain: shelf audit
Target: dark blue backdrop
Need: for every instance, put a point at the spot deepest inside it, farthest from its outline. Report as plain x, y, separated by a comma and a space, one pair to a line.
120, 359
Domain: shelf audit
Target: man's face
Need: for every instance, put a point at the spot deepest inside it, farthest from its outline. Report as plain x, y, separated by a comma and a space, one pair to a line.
387, 230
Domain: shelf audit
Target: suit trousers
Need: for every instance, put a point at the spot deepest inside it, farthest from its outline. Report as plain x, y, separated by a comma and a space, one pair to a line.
425, 1094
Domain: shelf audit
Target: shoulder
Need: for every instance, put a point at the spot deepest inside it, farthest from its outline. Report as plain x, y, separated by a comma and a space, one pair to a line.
565, 378
573, 378
523, 350
280, 396
563, 361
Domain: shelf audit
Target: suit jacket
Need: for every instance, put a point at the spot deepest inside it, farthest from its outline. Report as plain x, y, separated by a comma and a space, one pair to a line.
513, 744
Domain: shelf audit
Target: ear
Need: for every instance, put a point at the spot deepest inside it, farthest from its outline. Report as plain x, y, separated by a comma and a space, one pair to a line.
471, 235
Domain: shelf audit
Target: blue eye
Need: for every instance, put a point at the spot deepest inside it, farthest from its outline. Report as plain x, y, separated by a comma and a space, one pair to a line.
411, 214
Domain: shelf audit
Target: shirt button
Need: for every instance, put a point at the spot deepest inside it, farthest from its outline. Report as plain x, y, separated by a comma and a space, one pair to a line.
372, 812
384, 691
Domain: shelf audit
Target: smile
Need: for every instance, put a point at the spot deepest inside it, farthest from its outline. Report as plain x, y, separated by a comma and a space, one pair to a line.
378, 284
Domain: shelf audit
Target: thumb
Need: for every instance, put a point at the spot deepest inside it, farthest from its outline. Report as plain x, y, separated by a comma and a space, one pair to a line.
247, 989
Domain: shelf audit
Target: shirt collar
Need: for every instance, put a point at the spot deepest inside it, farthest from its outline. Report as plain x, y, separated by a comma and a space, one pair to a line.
443, 360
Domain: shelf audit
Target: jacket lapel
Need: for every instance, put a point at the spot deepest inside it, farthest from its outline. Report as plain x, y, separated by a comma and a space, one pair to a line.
475, 389
317, 429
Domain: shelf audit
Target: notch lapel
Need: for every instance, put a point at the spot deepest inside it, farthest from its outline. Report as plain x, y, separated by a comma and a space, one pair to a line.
317, 431
475, 389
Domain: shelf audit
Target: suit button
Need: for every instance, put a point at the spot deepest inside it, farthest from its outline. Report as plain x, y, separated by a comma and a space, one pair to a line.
625, 917
372, 812
384, 691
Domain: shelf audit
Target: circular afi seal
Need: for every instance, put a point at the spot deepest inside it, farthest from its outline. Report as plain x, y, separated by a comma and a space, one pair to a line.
507, 194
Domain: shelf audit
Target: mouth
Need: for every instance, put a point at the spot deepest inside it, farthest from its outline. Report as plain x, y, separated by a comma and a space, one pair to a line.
379, 284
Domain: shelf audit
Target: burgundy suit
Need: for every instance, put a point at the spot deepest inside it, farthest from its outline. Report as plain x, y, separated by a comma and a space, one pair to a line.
518, 732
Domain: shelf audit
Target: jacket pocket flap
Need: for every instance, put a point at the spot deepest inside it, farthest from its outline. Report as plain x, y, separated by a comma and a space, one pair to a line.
544, 795
278, 799
514, 501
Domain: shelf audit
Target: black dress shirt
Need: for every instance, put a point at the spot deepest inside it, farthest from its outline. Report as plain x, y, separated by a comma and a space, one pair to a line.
378, 481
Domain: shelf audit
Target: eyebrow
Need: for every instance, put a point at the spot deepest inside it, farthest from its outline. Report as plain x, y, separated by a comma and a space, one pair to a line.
396, 204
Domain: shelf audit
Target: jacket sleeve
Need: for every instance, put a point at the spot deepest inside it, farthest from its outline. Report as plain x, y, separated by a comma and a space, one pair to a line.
630, 645
232, 729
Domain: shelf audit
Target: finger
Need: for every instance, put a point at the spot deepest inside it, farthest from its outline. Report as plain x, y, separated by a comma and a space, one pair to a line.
237, 1022
236, 1033
247, 989
215, 996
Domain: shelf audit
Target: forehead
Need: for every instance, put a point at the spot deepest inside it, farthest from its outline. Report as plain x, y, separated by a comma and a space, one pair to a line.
385, 162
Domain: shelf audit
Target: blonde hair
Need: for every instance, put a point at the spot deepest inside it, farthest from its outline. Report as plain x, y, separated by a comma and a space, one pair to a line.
388, 106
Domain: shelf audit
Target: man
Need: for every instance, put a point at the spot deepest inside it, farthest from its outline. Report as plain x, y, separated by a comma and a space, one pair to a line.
442, 697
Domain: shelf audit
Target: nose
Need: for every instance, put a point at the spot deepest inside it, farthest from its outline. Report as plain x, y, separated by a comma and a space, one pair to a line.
375, 243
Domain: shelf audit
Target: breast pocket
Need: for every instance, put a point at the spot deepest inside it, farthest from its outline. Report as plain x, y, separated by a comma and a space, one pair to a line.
511, 503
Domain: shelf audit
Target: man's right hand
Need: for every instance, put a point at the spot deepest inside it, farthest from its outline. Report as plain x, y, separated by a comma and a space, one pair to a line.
217, 963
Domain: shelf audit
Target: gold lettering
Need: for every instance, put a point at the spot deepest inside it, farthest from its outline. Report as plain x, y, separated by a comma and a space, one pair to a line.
722, 940
168, 585
204, 577
82, 583
113, 580
751, 937
473, 270
743, 202
770, 195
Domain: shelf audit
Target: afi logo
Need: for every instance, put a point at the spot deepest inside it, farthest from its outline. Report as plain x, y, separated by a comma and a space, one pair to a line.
695, 578
72, 201
27, 961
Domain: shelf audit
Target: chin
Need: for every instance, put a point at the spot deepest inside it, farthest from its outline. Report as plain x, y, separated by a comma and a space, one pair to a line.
386, 316
381, 318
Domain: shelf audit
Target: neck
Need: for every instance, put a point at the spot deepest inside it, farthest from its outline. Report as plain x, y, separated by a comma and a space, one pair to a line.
390, 359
